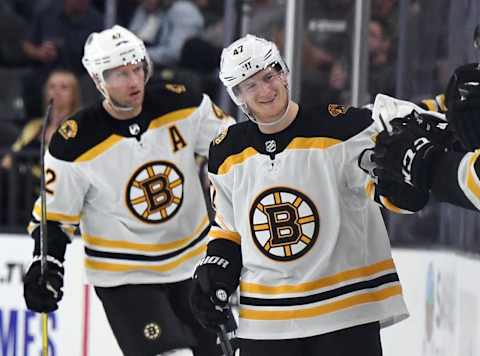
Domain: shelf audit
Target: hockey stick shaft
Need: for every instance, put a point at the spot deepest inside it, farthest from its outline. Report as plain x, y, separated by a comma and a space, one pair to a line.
43, 223
224, 341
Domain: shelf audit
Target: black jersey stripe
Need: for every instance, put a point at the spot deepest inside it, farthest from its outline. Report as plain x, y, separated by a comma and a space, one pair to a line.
319, 297
151, 258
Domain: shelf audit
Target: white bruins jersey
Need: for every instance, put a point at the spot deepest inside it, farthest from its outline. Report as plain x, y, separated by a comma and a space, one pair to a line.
132, 186
315, 252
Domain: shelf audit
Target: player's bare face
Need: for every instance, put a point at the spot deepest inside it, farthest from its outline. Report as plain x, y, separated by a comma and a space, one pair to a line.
265, 94
126, 85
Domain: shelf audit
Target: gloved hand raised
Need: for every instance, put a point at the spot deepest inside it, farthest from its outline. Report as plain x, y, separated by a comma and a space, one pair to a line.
407, 153
43, 294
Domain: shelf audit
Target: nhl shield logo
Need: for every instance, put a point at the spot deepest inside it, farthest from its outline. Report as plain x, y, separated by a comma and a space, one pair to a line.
134, 129
270, 146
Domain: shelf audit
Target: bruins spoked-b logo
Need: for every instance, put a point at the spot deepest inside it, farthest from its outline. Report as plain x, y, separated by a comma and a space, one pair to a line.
155, 192
284, 223
152, 331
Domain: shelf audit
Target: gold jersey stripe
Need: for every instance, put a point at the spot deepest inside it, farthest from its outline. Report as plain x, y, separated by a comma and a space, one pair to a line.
296, 144
314, 142
99, 149
224, 234
431, 104
370, 189
344, 276
171, 117
473, 182
349, 302
239, 158
74, 219
119, 267
95, 241
392, 207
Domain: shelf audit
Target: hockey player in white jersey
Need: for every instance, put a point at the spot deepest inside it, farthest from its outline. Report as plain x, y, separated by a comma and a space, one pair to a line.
451, 172
124, 172
294, 226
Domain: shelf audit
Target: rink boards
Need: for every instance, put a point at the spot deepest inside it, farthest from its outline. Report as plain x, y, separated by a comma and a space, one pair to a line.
440, 287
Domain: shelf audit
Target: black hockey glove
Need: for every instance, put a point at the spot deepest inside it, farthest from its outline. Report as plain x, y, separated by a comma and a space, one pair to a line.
463, 103
216, 278
407, 154
43, 294
399, 193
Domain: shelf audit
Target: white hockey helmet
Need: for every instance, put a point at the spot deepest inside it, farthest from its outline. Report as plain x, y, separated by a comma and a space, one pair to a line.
113, 48
245, 57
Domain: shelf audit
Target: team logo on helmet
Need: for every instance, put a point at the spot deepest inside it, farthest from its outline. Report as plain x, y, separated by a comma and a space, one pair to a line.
155, 192
152, 331
335, 109
68, 129
284, 223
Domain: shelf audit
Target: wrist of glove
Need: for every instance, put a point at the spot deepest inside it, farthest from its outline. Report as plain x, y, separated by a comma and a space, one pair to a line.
407, 154
402, 195
215, 279
42, 293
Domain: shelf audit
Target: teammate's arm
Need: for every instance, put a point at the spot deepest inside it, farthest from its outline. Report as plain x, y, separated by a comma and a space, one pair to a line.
210, 120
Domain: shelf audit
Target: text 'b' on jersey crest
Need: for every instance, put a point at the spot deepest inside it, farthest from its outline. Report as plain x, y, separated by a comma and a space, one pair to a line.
68, 129
284, 223
335, 109
152, 331
155, 192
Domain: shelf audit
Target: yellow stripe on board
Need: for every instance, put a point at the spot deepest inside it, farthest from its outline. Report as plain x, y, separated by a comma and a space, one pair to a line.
348, 302
344, 276
142, 247
119, 267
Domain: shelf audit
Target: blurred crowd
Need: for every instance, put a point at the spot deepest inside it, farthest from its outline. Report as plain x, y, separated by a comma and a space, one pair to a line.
42, 45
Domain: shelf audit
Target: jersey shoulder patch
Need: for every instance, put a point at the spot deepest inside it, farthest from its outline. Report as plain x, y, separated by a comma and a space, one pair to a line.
336, 121
171, 96
79, 133
230, 141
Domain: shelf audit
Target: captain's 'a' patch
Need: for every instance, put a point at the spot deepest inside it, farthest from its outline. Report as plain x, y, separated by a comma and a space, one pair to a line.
284, 223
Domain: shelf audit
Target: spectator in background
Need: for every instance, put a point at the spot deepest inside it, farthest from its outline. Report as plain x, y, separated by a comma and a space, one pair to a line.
53, 42
62, 87
381, 73
168, 32
22, 159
